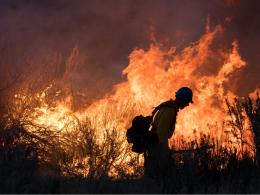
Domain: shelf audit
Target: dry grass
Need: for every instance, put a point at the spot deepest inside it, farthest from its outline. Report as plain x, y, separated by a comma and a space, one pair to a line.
44, 161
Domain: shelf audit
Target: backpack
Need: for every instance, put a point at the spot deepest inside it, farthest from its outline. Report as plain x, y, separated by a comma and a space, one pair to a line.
139, 135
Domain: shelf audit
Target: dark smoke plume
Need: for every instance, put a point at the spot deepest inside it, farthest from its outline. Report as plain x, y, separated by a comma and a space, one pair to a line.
105, 32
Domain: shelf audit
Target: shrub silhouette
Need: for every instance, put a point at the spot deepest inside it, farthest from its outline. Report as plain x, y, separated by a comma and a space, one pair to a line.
83, 161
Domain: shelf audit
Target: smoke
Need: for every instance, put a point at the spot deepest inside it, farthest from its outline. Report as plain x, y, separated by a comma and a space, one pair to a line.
105, 32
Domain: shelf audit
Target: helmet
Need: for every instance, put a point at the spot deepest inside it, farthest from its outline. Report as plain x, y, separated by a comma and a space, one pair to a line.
184, 93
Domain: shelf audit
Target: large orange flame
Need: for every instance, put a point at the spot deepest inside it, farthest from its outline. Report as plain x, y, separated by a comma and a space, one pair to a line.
153, 76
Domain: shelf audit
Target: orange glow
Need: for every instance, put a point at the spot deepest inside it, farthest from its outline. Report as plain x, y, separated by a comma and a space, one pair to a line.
153, 76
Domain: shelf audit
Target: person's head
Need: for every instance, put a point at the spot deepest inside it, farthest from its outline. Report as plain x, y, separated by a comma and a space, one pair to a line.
183, 97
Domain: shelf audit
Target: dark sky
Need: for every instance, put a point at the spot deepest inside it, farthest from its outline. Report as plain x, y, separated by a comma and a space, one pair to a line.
105, 32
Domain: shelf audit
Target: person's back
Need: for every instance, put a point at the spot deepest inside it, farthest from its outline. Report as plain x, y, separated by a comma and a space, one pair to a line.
164, 120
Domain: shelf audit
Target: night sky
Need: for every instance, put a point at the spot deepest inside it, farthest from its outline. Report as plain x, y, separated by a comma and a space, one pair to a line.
105, 32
